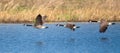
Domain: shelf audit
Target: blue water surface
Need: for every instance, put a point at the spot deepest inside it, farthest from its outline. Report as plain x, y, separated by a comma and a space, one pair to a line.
17, 38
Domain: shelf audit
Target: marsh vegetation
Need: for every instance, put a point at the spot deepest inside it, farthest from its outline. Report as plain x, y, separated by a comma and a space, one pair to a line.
59, 10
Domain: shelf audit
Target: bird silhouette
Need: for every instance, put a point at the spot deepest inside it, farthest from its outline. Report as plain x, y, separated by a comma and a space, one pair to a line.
69, 25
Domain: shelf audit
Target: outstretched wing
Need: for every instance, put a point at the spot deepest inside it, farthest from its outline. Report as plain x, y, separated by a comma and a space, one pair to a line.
103, 26
38, 20
103, 29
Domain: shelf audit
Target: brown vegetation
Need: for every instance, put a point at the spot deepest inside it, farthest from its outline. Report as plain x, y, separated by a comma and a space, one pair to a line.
59, 10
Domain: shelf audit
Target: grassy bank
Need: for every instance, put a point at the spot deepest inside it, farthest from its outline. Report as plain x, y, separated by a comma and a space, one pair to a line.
59, 10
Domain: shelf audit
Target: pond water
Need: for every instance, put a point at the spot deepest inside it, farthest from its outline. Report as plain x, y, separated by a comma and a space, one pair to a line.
16, 38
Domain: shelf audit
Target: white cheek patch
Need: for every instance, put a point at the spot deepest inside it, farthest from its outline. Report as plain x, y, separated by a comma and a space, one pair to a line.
74, 27
109, 23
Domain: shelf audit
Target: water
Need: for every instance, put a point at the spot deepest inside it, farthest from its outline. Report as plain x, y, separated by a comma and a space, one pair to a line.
16, 38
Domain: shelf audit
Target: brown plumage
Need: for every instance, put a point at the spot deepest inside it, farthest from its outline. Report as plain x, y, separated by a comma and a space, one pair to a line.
69, 25
103, 26
39, 21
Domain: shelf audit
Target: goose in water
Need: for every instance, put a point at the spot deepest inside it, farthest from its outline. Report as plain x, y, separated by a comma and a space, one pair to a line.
93, 21
69, 25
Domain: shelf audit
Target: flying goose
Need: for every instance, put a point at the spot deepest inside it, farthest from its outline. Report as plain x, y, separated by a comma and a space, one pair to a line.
69, 25
39, 21
103, 26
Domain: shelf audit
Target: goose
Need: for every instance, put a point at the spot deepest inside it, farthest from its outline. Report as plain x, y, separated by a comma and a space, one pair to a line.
69, 25
93, 21
39, 21
103, 26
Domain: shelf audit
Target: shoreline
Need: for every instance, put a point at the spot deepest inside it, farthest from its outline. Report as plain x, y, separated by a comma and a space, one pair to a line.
50, 22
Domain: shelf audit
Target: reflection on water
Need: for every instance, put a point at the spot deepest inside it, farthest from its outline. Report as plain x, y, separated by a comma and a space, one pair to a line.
16, 38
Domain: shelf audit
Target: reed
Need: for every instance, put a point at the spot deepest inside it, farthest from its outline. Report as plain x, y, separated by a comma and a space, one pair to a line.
18, 11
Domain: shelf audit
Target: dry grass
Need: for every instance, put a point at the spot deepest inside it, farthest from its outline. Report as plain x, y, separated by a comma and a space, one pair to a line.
59, 10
